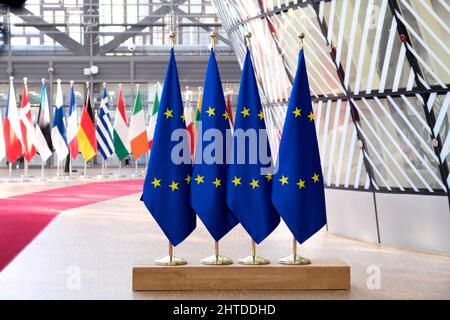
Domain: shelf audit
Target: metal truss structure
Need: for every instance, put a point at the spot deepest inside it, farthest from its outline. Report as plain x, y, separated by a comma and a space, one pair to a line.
379, 77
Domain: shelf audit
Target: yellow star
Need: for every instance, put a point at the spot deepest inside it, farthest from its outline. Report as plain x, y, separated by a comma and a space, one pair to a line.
174, 186
301, 184
254, 184
236, 181
199, 179
188, 179
261, 115
284, 180
183, 118
315, 178
211, 111
269, 177
246, 112
168, 113
217, 182
311, 116
156, 183
225, 115
297, 112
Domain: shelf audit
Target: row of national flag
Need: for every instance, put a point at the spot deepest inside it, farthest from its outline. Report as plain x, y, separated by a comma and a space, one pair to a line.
222, 190
70, 135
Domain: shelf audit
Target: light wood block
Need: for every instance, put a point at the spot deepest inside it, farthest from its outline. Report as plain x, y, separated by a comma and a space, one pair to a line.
320, 275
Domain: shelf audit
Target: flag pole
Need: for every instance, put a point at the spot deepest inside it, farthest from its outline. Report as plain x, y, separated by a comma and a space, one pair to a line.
85, 168
10, 170
253, 259
215, 259
295, 259
170, 260
42, 169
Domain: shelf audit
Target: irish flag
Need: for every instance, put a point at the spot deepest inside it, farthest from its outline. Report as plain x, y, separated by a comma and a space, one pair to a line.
197, 116
26, 124
152, 123
11, 127
137, 132
120, 135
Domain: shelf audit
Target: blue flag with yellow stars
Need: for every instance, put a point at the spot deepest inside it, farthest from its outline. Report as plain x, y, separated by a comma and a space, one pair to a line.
249, 184
298, 191
209, 176
166, 185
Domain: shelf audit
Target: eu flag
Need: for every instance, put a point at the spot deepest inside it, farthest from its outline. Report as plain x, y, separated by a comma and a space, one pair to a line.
209, 176
298, 192
166, 185
249, 187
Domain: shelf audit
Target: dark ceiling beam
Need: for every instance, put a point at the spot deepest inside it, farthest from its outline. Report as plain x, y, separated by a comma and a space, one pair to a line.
138, 27
49, 30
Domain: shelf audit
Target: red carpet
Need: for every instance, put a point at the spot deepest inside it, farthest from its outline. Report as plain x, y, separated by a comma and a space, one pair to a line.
23, 217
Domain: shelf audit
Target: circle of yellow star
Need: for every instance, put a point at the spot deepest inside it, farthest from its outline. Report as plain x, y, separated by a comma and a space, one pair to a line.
188, 179
269, 177
156, 182
246, 112
168, 113
284, 180
311, 116
211, 111
315, 177
226, 116
297, 112
217, 182
183, 118
174, 186
261, 115
199, 179
254, 184
301, 184
236, 181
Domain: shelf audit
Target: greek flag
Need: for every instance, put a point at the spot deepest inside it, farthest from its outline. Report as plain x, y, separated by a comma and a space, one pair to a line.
104, 130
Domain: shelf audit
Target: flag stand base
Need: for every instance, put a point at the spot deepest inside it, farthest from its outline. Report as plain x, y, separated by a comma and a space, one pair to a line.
254, 261
216, 261
295, 260
170, 261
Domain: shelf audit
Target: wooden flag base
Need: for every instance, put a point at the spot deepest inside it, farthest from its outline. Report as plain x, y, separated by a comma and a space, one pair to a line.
319, 275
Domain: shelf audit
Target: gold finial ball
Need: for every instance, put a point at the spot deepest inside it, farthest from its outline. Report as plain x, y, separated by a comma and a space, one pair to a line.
302, 36
213, 34
248, 35
172, 35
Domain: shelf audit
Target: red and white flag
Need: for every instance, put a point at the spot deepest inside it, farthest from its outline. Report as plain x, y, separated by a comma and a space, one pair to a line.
11, 127
189, 115
26, 124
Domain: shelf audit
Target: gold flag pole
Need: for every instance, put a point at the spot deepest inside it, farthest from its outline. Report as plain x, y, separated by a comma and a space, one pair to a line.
253, 259
171, 260
294, 258
215, 259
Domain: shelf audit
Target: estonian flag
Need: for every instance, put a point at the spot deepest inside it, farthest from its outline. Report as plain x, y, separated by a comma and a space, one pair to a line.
209, 177
166, 186
298, 192
248, 186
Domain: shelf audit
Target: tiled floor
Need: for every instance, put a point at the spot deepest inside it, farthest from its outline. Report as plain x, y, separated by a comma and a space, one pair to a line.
88, 253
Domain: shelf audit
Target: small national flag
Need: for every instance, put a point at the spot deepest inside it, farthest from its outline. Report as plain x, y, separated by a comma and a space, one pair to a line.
86, 132
189, 119
43, 131
197, 117
105, 141
152, 122
121, 142
298, 191
137, 133
72, 124
249, 187
230, 109
2, 140
59, 137
166, 186
26, 124
11, 127
209, 176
